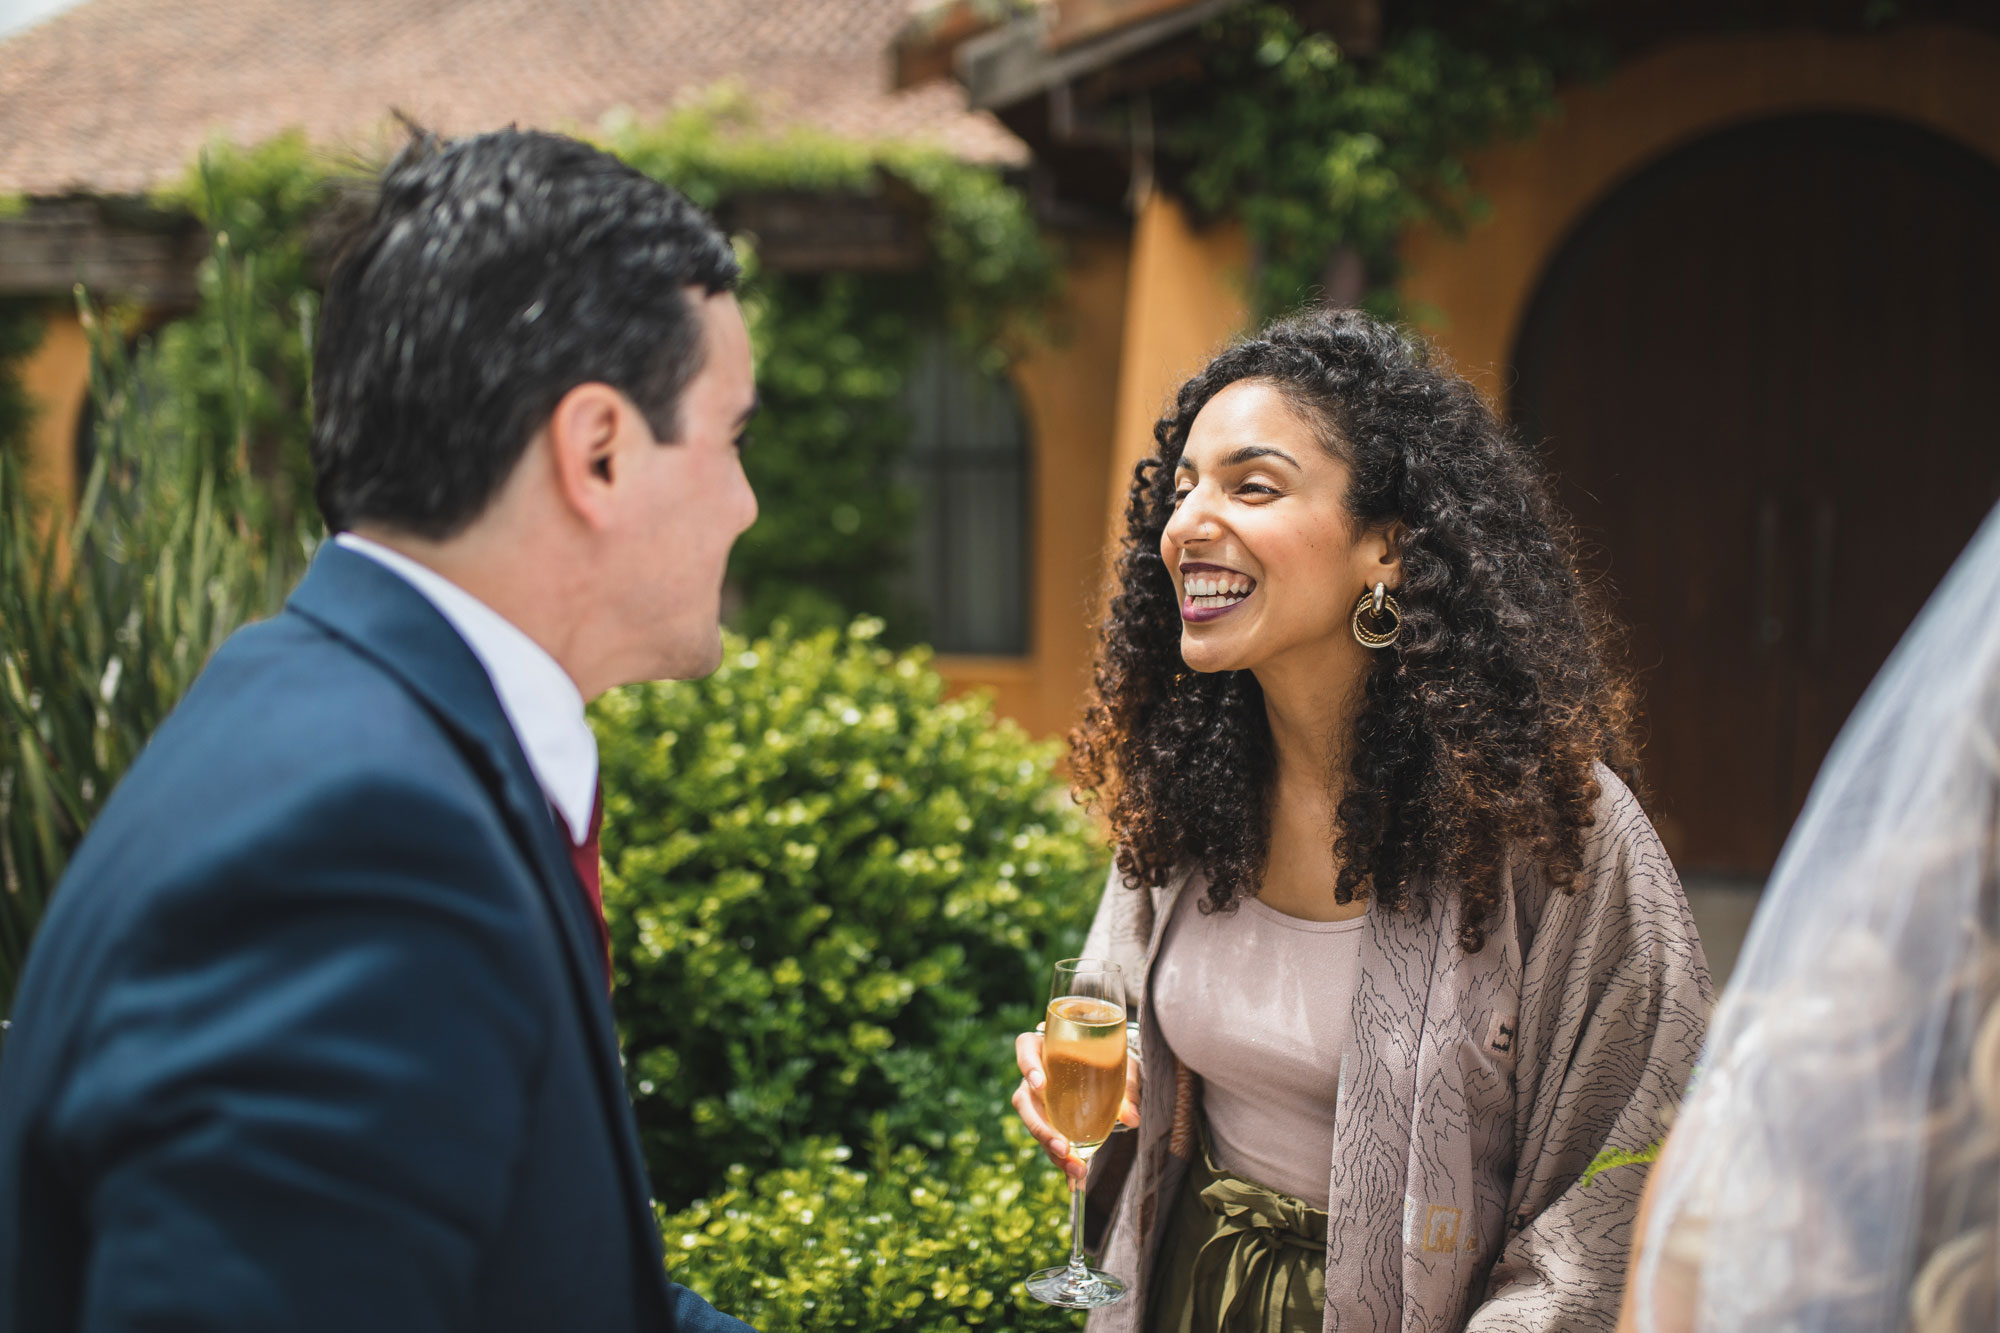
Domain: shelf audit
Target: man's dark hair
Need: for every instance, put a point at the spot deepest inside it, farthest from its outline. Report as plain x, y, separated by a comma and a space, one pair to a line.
496, 274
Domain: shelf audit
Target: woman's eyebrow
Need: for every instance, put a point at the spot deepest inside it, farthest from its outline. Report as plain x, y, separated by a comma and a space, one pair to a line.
1248, 453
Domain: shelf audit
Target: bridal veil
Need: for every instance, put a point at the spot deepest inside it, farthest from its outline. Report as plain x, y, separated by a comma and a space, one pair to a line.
1836, 1165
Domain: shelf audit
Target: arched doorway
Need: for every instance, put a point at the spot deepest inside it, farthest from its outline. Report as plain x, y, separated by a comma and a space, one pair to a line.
1759, 369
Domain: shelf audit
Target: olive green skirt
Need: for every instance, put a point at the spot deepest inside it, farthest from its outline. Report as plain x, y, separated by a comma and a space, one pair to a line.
1238, 1258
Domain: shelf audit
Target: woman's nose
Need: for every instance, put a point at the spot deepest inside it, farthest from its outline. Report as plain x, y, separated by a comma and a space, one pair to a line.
1192, 521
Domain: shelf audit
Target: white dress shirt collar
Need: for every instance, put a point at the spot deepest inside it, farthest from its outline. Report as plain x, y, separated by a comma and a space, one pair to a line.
541, 702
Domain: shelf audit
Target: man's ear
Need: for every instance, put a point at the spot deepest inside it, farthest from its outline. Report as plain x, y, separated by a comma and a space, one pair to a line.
583, 436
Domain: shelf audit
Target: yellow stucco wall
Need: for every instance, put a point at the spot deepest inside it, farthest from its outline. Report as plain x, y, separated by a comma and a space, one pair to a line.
1186, 298
1944, 78
56, 376
1140, 315
1065, 386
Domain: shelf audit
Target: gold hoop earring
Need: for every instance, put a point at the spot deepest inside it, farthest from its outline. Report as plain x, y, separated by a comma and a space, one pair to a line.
1377, 604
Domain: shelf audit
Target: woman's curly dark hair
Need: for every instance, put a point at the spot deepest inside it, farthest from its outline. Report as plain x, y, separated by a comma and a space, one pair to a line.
1481, 725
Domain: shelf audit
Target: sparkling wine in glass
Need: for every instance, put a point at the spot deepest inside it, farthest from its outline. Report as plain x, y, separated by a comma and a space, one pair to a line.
1083, 1053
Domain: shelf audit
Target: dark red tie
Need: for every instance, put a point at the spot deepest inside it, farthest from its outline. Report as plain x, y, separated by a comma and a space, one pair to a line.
584, 856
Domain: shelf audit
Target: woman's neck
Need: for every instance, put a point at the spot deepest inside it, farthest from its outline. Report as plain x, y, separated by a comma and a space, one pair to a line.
1311, 715
1311, 712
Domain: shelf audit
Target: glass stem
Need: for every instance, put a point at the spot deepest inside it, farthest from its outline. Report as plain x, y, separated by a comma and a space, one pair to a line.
1079, 1272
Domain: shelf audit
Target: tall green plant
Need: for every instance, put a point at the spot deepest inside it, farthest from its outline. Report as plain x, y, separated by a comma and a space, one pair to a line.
241, 363
108, 614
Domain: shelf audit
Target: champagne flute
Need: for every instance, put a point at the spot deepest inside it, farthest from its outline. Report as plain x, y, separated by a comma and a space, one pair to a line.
1083, 1053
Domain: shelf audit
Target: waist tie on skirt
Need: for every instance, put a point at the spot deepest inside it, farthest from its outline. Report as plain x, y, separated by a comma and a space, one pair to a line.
1241, 1259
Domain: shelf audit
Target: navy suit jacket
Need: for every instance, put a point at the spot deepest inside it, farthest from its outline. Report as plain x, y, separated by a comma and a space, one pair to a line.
315, 1034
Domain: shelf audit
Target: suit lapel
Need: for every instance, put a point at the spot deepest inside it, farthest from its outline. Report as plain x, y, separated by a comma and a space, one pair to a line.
382, 617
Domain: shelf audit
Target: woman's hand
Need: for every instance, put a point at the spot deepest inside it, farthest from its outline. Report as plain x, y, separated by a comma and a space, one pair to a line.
1034, 1112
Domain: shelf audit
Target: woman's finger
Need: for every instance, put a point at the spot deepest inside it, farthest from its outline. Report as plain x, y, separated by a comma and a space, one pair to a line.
1028, 1055
1029, 1107
1128, 1113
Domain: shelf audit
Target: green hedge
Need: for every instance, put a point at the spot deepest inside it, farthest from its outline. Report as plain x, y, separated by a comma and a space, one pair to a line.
833, 896
903, 1241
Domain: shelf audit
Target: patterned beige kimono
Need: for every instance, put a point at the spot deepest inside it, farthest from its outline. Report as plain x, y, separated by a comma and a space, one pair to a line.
1479, 1088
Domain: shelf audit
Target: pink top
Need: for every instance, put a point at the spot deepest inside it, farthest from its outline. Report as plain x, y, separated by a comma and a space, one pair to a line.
1260, 1004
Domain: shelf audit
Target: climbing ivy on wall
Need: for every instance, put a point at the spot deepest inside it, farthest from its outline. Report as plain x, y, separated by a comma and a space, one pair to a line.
21, 324
1321, 151
832, 349
20, 333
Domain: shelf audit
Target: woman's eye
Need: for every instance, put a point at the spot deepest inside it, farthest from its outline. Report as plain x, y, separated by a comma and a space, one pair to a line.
1180, 496
1257, 488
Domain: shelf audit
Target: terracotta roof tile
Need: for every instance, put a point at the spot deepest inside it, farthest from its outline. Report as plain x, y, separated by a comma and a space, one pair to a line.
115, 96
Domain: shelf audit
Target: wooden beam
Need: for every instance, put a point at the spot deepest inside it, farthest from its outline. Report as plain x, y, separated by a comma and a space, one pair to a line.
800, 231
795, 231
118, 249
1080, 20
1010, 63
123, 250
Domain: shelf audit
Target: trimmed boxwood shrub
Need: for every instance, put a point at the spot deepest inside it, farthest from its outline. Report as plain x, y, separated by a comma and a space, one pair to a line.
833, 897
901, 1240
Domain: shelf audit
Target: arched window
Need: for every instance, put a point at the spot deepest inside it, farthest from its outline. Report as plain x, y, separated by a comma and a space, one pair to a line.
968, 464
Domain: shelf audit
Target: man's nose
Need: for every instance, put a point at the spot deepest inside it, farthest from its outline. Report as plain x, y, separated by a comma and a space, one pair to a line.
749, 504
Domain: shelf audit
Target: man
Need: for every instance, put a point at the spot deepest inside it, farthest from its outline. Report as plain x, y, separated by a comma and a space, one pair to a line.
315, 1035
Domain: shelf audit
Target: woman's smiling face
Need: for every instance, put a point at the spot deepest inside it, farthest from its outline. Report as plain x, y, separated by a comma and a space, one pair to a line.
1266, 560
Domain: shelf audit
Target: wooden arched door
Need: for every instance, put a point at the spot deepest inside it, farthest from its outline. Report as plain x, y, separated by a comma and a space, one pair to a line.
1763, 371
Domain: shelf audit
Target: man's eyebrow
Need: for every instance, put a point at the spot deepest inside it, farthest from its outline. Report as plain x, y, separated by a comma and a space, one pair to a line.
1248, 453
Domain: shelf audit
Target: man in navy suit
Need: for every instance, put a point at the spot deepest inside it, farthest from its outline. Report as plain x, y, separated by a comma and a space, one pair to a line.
315, 1035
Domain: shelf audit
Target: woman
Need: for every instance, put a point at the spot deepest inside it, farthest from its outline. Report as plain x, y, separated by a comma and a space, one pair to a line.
1403, 950
1837, 1166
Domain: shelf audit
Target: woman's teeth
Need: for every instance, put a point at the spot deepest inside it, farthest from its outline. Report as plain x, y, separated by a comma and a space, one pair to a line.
1205, 592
